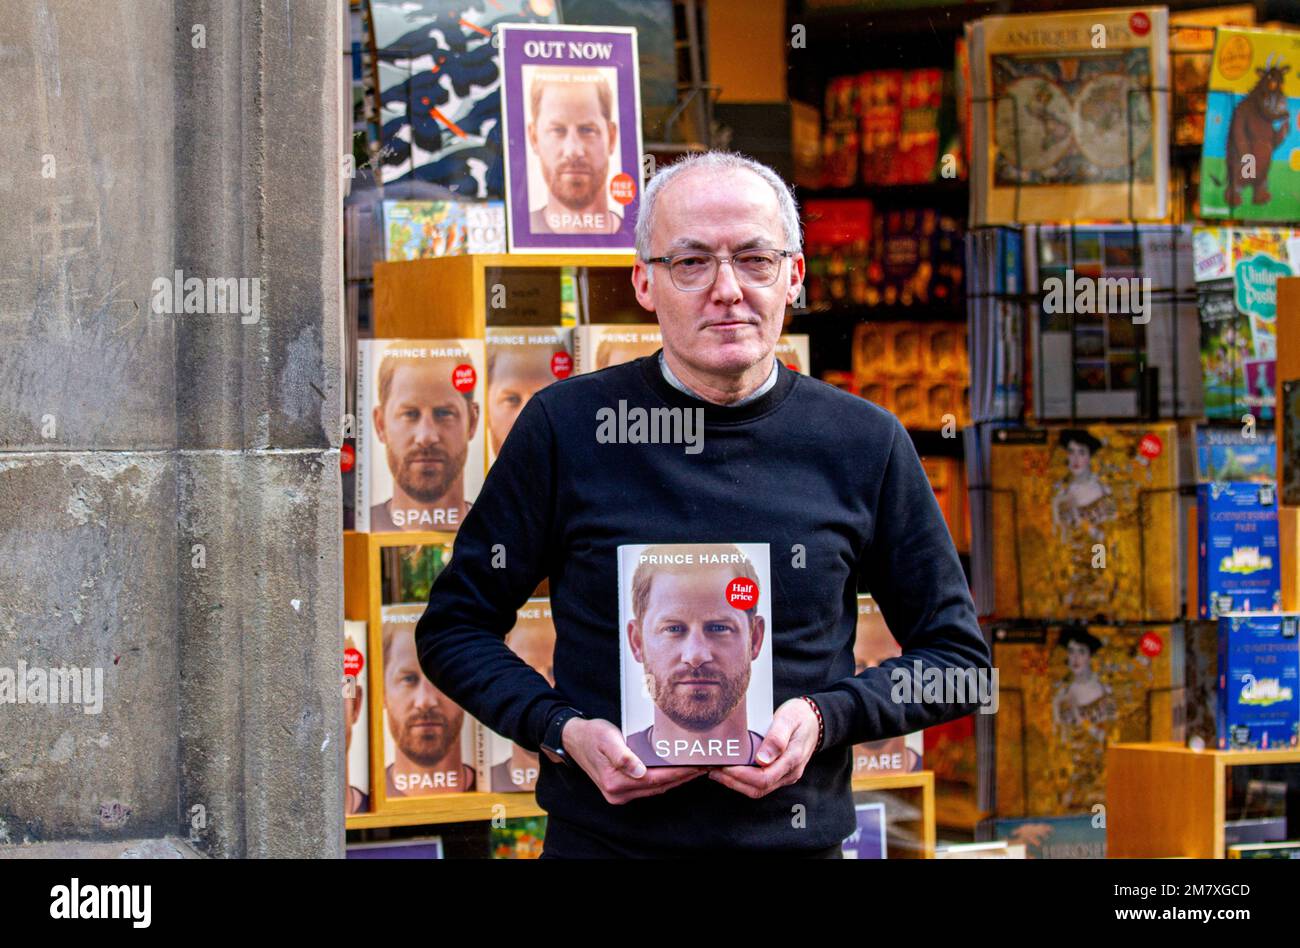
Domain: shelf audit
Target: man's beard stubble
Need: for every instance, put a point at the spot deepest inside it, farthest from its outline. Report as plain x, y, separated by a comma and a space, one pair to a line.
571, 192
699, 709
426, 484
426, 746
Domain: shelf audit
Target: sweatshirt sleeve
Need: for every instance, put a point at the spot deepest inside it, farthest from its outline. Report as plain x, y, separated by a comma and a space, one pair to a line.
911, 568
500, 555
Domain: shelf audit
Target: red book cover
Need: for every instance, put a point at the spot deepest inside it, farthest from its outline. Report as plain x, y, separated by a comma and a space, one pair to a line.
882, 120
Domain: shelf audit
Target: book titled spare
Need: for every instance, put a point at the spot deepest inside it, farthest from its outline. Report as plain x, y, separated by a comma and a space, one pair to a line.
695, 624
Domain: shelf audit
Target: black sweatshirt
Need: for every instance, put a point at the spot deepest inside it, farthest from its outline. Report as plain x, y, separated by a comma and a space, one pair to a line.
803, 467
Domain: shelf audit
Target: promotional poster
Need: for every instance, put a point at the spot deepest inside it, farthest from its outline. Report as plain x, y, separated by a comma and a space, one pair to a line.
695, 636
429, 741
511, 768
420, 432
521, 361
571, 114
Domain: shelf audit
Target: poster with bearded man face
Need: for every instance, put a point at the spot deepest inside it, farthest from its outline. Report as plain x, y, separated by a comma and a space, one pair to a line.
695, 622
572, 121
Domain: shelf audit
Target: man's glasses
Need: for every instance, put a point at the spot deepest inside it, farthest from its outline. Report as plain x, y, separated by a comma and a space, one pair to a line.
696, 269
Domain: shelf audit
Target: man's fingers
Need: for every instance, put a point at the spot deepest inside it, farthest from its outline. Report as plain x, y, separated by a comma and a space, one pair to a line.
776, 740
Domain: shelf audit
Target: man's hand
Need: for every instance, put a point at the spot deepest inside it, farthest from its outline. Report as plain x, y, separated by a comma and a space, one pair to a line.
599, 749
781, 757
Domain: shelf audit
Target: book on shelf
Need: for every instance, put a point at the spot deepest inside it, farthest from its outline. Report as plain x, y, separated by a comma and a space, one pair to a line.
521, 361
511, 768
356, 719
1235, 454
1064, 128
431, 746
1289, 475
1069, 691
599, 345
676, 599
1238, 546
1059, 837
1259, 681
1085, 522
873, 645
1253, 97
1287, 849
420, 434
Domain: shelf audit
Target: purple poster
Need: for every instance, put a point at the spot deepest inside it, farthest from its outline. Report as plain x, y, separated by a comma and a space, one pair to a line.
571, 106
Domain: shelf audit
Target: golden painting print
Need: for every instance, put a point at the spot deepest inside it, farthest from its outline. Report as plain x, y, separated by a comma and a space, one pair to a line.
1069, 692
1085, 522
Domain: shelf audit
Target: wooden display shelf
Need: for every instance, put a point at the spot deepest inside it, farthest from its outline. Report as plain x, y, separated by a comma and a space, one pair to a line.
448, 297
1164, 799
451, 808
922, 780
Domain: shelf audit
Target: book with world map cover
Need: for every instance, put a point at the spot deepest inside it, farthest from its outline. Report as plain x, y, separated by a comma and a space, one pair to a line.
1070, 116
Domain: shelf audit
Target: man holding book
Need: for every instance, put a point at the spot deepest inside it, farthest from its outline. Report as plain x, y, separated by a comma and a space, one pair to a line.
830, 483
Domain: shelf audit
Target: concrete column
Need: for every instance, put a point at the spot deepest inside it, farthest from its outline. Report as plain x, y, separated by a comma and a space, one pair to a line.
169, 486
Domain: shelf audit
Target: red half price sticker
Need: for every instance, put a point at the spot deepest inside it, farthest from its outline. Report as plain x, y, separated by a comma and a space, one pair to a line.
561, 365
1150, 446
1139, 23
622, 188
1151, 645
463, 377
742, 593
347, 457
352, 662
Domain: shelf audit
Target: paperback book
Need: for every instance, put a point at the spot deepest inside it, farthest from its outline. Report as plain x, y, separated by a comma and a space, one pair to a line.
1230, 454
696, 657
1259, 681
421, 448
599, 346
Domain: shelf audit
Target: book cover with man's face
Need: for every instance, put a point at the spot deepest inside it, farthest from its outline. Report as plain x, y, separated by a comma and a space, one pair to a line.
695, 628
521, 361
429, 740
421, 432
514, 768
874, 644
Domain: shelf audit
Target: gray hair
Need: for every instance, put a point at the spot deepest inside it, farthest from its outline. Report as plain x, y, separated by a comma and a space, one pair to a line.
716, 161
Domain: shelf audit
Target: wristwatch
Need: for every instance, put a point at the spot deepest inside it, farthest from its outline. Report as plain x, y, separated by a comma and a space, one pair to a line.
552, 742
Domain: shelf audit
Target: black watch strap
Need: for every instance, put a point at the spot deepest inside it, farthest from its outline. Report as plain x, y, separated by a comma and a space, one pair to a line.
554, 729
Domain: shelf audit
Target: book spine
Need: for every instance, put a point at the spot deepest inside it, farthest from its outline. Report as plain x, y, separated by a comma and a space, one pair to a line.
1221, 693
482, 767
582, 345
622, 670
361, 511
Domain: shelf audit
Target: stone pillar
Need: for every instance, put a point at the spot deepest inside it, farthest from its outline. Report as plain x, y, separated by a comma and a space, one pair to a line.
169, 482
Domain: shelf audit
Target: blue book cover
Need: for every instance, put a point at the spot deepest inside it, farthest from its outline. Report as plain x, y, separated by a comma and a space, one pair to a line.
1259, 681
1239, 566
1226, 454
1056, 837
